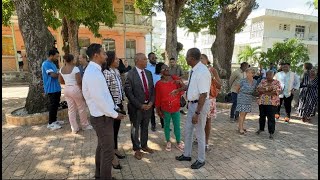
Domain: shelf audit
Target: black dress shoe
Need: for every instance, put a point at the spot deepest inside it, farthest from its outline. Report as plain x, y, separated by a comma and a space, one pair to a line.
117, 166
197, 164
183, 158
259, 131
120, 156
271, 136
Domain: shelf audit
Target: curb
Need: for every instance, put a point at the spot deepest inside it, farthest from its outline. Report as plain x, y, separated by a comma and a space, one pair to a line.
32, 119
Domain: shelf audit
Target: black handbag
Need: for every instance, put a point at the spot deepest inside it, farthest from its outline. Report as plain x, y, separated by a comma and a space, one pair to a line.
183, 102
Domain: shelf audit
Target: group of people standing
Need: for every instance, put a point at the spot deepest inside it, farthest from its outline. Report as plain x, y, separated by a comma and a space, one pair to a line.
273, 89
98, 84
102, 81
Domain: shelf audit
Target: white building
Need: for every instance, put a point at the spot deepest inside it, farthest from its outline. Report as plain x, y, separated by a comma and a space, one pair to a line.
265, 27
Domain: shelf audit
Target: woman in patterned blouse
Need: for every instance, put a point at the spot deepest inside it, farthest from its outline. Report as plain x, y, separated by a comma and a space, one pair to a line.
269, 90
112, 75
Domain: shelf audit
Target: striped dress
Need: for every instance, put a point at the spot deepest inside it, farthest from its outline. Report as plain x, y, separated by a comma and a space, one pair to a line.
308, 97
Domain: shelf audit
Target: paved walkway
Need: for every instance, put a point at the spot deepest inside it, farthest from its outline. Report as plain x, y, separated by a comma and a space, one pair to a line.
37, 153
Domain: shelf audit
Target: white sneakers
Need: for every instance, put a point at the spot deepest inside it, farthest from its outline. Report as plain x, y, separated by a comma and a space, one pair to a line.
53, 126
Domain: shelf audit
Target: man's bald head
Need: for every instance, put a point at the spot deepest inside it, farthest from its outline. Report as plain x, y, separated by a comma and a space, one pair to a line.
140, 60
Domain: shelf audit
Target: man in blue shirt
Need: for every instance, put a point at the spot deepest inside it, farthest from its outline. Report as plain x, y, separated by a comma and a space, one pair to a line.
151, 66
52, 88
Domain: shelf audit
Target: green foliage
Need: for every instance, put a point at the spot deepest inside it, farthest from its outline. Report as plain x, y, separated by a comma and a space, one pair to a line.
249, 55
146, 6
182, 62
7, 11
87, 12
158, 51
291, 50
315, 4
200, 14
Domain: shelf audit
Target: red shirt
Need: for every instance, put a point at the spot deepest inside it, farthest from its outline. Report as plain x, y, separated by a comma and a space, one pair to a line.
164, 100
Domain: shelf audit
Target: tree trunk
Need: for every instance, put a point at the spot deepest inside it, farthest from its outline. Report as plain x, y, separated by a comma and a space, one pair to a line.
38, 40
73, 29
172, 9
64, 33
231, 18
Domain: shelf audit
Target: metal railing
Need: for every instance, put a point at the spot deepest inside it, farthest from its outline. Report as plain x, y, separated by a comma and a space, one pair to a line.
133, 19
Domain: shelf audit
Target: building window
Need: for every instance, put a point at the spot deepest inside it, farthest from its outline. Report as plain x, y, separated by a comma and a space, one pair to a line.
7, 46
130, 50
300, 31
84, 42
108, 45
257, 29
284, 27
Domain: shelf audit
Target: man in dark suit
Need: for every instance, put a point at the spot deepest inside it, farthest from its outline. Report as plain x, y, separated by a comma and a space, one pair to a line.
139, 90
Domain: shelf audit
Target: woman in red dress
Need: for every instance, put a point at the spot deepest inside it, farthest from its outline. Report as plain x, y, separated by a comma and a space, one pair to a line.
168, 105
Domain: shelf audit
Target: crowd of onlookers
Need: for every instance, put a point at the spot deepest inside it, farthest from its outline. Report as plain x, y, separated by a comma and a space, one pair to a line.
105, 84
273, 87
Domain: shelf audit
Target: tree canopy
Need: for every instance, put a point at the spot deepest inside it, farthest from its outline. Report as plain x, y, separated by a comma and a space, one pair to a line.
249, 54
291, 50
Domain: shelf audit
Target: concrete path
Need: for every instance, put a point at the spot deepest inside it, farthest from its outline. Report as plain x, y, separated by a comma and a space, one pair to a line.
37, 153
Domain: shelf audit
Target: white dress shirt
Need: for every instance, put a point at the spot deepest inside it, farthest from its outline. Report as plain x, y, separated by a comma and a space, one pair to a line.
140, 75
96, 93
199, 83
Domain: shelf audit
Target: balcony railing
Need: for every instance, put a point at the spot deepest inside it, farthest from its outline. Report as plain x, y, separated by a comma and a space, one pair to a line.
133, 19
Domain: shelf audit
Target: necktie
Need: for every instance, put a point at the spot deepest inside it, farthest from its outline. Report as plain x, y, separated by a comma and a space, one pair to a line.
146, 90
189, 83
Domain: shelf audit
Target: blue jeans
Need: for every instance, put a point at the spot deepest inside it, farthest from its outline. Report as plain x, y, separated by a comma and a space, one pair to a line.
233, 112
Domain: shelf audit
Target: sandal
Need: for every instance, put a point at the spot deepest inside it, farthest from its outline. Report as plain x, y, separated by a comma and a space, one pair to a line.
168, 147
242, 133
180, 146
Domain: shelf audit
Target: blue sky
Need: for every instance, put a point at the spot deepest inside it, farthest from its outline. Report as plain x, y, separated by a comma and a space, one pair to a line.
296, 6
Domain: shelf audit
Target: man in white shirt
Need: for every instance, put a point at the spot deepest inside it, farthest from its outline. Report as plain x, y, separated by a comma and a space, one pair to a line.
101, 107
198, 107
289, 82
151, 66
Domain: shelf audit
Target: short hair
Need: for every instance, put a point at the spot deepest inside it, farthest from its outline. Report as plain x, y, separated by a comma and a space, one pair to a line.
308, 66
94, 48
150, 54
19, 52
137, 56
68, 58
285, 63
53, 52
110, 59
244, 64
158, 68
269, 71
84, 56
195, 53
172, 59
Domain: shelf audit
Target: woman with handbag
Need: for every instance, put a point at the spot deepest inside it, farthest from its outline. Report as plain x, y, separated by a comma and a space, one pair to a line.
214, 90
168, 105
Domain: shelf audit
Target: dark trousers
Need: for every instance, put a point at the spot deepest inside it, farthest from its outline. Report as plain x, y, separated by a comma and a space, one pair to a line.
116, 127
269, 112
139, 122
153, 119
287, 105
54, 99
105, 149
233, 112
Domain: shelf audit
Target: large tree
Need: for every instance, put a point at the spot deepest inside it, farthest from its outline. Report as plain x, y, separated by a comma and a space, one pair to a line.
172, 10
35, 17
223, 18
38, 40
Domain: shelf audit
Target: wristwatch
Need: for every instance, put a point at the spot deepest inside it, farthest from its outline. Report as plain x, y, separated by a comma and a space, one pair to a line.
197, 113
